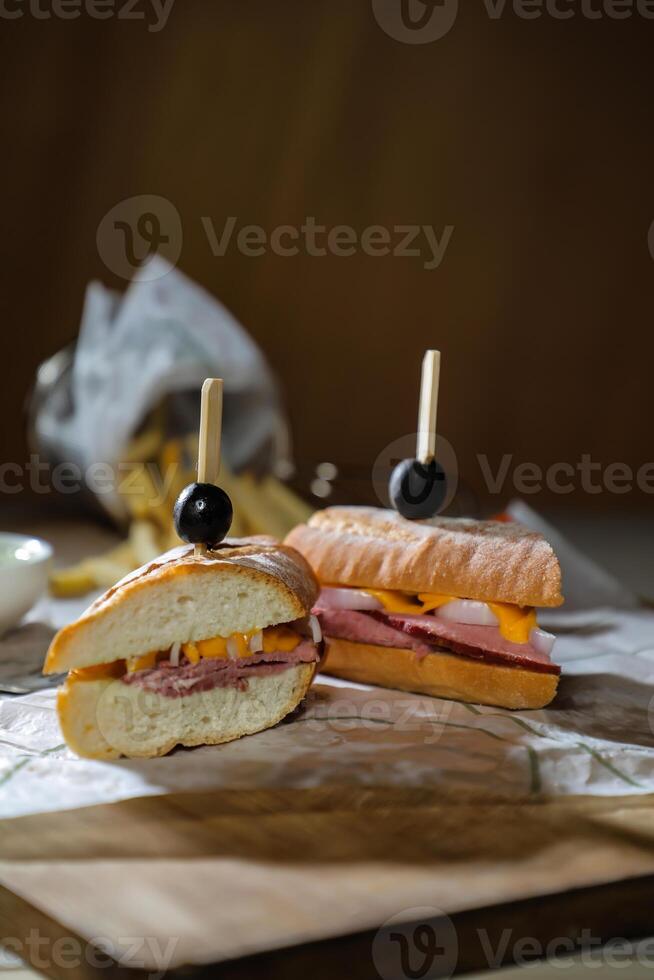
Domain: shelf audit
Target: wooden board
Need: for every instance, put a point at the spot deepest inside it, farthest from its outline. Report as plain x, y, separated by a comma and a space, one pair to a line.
297, 882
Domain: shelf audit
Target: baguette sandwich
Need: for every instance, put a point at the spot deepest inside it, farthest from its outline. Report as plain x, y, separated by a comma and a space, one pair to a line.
189, 650
443, 606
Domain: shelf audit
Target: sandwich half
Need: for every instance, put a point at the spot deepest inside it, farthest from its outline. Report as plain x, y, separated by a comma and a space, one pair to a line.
189, 650
444, 606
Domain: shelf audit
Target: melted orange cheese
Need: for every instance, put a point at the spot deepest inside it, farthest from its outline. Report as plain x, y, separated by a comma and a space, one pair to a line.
192, 653
218, 647
240, 642
433, 600
274, 638
515, 623
98, 672
397, 602
146, 662
280, 638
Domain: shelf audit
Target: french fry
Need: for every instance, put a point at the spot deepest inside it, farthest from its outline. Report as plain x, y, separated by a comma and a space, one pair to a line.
99, 572
147, 444
291, 507
143, 447
106, 572
158, 471
141, 495
261, 514
144, 541
65, 583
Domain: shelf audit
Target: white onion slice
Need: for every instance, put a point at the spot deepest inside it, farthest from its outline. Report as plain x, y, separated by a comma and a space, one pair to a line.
174, 654
542, 641
316, 632
468, 611
232, 649
256, 642
331, 598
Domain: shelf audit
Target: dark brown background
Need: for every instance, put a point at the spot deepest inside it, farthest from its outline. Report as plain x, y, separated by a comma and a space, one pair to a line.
532, 137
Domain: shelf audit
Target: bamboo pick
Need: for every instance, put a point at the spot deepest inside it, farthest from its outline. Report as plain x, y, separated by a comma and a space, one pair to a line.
426, 440
211, 415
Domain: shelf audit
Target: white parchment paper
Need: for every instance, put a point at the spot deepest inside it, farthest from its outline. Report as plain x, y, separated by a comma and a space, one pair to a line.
597, 738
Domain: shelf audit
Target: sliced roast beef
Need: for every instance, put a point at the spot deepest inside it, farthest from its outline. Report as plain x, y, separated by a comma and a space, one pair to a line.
178, 681
360, 627
430, 634
482, 642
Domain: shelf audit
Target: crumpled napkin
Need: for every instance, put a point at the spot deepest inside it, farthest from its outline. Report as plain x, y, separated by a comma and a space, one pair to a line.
596, 739
164, 336
22, 651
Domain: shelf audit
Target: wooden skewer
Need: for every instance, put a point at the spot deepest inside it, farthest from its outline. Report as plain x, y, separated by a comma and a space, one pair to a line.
426, 441
211, 417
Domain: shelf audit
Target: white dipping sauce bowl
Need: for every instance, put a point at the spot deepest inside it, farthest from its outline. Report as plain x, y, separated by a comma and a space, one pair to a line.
24, 566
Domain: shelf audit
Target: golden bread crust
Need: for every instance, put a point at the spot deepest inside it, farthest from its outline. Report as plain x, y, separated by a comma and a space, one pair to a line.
85, 729
251, 558
260, 554
492, 561
441, 675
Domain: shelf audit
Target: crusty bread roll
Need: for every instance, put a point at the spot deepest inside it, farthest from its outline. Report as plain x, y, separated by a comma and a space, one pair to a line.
440, 675
180, 598
104, 718
488, 560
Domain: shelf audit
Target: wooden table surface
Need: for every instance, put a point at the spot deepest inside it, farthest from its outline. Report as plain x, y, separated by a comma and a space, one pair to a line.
537, 971
626, 908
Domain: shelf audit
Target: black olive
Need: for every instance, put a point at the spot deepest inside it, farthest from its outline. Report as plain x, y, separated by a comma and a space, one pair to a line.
203, 514
417, 490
